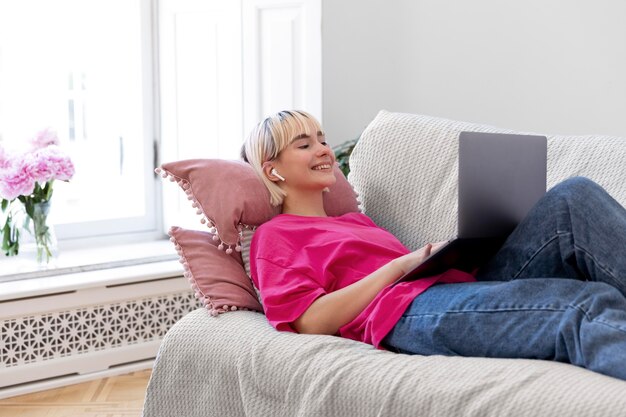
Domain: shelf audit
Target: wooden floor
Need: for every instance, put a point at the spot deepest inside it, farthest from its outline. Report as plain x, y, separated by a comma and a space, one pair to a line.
119, 396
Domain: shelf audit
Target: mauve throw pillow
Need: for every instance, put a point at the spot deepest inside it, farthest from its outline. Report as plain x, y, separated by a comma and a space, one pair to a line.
229, 195
217, 278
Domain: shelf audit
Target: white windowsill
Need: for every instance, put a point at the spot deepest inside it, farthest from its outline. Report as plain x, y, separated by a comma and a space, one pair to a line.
90, 259
76, 269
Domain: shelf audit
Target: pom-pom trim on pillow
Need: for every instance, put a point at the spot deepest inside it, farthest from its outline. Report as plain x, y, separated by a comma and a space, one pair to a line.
198, 293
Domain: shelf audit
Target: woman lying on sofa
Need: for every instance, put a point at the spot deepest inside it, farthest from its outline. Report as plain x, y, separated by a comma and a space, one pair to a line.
556, 290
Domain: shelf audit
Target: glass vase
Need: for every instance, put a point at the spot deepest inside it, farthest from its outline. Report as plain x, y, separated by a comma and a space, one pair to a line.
44, 241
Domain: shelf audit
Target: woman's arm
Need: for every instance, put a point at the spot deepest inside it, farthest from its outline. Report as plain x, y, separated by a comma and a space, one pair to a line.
331, 311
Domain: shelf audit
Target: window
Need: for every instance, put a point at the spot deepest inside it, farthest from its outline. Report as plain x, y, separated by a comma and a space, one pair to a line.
84, 68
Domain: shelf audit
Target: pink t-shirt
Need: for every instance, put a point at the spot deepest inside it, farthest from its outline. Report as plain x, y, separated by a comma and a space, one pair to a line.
296, 259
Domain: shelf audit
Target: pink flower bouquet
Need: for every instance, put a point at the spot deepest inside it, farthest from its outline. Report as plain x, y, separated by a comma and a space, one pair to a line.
26, 179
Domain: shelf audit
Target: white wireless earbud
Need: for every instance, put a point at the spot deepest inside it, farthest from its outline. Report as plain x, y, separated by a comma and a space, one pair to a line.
275, 173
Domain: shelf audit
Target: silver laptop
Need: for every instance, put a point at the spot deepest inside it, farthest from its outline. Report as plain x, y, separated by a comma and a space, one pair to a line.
501, 177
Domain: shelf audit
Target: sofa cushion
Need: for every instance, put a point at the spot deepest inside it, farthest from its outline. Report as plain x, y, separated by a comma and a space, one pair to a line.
405, 169
246, 241
217, 278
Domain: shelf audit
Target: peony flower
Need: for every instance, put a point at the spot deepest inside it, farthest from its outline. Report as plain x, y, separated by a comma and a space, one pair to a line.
65, 170
59, 164
44, 139
40, 167
16, 180
50, 163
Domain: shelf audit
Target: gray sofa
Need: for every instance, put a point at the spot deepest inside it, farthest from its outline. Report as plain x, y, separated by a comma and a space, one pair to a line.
404, 169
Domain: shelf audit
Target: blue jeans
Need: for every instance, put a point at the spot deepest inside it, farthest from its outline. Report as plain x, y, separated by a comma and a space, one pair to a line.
554, 291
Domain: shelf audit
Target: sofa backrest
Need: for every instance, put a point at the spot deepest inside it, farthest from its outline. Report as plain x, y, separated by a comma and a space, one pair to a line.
404, 168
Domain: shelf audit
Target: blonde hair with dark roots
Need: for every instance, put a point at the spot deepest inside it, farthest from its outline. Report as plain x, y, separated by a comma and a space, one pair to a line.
269, 138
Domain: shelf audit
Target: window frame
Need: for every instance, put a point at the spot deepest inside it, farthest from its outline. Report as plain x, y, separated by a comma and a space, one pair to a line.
150, 226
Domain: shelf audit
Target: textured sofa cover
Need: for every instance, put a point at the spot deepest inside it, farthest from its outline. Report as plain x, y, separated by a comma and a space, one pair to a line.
404, 168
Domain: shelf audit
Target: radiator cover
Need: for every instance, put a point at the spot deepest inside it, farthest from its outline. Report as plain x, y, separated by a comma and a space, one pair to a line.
86, 330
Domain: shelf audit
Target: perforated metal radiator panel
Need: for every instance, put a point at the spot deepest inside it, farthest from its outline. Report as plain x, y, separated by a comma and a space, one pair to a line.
48, 336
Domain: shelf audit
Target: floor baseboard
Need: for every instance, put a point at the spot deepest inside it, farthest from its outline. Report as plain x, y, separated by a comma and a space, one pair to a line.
56, 382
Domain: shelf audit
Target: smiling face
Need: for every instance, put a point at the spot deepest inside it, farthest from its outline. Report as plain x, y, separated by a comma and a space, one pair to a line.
292, 142
306, 163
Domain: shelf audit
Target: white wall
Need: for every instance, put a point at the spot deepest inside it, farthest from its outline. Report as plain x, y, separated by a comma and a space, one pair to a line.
547, 66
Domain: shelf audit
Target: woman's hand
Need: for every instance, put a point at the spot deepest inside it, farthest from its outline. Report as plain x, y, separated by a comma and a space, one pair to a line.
411, 260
